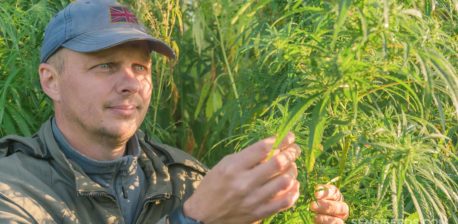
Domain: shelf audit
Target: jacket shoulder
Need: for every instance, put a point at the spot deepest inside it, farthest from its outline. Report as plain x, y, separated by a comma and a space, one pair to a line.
25, 178
11, 144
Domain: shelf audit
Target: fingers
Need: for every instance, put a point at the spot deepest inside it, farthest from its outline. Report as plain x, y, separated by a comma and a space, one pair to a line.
247, 185
292, 171
279, 202
273, 177
288, 145
282, 162
276, 187
328, 192
330, 208
325, 219
289, 139
254, 154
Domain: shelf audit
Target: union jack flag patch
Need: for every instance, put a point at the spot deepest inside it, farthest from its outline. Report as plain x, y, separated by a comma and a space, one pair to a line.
121, 14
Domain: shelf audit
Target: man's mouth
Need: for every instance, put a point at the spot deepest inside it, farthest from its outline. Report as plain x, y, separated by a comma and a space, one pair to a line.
124, 109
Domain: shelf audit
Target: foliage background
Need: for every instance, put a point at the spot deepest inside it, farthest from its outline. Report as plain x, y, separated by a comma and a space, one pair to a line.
368, 86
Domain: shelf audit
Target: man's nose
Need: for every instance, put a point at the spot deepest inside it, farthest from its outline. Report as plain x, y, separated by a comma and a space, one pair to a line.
128, 82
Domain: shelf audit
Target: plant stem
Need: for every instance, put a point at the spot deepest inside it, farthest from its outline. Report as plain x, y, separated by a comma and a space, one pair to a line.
231, 77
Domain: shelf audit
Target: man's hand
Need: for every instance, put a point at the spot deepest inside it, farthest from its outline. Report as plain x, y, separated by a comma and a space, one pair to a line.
245, 187
330, 206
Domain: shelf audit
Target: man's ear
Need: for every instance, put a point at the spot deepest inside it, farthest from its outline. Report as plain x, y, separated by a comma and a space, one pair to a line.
49, 80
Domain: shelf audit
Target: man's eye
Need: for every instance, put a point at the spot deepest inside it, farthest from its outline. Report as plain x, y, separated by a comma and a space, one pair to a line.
104, 66
139, 68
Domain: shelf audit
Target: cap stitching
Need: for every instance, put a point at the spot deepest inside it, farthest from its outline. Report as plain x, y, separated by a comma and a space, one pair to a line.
67, 23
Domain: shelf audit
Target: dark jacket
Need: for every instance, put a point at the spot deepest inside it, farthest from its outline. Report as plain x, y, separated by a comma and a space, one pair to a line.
39, 185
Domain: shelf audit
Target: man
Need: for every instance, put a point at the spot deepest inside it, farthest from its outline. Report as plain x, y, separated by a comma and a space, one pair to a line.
90, 163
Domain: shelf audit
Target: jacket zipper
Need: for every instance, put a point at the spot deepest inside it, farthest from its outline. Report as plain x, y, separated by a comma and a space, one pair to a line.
97, 194
154, 199
102, 194
124, 192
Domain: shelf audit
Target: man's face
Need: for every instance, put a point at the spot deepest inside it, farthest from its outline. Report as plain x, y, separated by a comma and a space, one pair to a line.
104, 94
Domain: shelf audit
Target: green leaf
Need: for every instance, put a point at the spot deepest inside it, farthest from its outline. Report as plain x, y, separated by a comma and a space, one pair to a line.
428, 7
293, 117
344, 5
319, 118
214, 103
203, 96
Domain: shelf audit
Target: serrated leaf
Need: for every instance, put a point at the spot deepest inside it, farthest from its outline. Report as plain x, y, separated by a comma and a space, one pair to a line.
293, 117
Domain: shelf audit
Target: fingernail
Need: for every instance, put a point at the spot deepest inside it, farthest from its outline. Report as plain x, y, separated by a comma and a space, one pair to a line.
291, 137
314, 206
319, 194
296, 196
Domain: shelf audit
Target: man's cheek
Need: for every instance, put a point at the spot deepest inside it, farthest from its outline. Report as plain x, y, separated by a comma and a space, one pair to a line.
146, 86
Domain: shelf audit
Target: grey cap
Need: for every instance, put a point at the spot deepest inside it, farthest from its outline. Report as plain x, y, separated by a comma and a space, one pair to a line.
94, 25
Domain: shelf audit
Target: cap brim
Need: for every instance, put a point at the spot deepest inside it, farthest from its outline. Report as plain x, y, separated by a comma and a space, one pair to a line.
107, 38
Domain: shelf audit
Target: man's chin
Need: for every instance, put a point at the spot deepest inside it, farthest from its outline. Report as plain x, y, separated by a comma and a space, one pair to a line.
120, 132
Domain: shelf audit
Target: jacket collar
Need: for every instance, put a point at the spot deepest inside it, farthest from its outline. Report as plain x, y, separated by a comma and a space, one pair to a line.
156, 172
73, 171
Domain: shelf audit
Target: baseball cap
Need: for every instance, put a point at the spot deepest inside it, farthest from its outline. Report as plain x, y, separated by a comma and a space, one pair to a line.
93, 25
